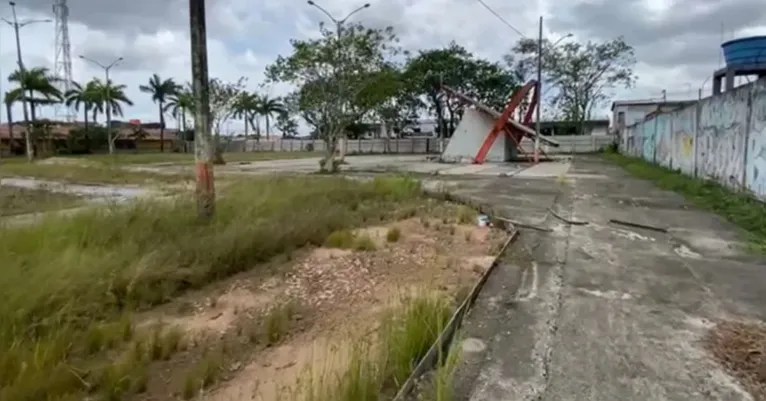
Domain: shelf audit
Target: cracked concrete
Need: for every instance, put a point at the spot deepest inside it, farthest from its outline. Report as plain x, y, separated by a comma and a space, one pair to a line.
601, 311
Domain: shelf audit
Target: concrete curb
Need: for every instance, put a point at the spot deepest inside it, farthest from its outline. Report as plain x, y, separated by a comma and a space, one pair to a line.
444, 340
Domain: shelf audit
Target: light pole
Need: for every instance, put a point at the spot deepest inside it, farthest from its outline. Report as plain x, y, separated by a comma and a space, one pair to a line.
539, 88
107, 105
22, 74
339, 32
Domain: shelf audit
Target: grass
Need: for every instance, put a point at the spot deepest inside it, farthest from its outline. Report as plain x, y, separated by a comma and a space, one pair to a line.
375, 369
15, 201
393, 234
96, 267
738, 208
168, 157
95, 173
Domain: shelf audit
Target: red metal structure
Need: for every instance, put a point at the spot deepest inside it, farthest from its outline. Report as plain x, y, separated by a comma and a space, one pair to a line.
504, 122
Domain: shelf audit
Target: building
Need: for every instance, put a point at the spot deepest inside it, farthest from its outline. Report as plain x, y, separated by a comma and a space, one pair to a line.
58, 138
628, 112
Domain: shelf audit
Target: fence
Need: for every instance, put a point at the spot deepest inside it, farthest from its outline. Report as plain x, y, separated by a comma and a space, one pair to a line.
355, 146
568, 144
722, 138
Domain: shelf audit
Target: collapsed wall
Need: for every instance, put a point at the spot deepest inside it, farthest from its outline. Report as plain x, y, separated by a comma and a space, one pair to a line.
469, 136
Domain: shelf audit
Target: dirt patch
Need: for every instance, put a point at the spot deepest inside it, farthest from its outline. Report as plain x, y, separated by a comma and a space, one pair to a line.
339, 293
741, 348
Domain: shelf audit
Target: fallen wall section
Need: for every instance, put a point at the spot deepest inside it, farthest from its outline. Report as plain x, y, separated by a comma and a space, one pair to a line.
470, 134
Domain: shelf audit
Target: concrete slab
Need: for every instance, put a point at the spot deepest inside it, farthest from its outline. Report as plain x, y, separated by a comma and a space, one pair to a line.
606, 312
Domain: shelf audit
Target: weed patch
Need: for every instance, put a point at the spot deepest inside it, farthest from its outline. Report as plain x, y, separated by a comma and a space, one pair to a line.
98, 174
22, 200
738, 208
375, 369
94, 268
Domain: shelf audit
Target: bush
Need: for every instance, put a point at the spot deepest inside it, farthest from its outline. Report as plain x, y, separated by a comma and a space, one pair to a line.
393, 234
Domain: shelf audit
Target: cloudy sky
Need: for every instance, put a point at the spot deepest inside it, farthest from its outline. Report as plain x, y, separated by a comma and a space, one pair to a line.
676, 41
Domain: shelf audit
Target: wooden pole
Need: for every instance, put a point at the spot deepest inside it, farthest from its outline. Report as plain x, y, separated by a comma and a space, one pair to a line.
204, 146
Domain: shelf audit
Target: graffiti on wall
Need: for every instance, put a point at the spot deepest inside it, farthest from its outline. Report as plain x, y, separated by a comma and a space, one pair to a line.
683, 124
649, 127
721, 138
755, 169
663, 138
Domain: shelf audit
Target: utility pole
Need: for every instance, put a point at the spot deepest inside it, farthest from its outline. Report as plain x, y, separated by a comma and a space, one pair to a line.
539, 90
107, 105
22, 75
339, 32
203, 141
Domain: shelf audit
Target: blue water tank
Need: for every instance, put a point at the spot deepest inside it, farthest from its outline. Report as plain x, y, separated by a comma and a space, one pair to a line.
745, 51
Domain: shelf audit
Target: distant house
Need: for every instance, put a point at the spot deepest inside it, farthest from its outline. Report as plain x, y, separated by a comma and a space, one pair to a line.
130, 137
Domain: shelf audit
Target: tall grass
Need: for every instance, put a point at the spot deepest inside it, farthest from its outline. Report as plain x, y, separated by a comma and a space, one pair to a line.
61, 277
376, 367
740, 209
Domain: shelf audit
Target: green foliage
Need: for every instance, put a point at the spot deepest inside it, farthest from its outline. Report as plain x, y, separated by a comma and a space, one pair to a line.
740, 209
582, 74
337, 76
488, 82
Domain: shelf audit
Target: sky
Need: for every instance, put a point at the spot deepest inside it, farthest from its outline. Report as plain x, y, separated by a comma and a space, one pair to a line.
677, 42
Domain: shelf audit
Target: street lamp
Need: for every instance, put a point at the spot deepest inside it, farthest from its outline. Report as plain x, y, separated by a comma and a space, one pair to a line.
16, 26
107, 105
338, 31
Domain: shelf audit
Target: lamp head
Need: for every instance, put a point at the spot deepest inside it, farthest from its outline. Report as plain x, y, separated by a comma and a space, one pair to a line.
311, 3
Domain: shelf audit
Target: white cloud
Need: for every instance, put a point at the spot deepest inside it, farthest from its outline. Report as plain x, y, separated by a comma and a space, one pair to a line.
676, 53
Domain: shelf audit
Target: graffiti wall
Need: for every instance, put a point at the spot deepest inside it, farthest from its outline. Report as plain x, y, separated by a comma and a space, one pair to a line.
663, 145
683, 125
755, 168
722, 138
721, 131
649, 128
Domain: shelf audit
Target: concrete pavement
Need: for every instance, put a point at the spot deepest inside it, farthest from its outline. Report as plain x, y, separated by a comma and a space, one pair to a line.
600, 311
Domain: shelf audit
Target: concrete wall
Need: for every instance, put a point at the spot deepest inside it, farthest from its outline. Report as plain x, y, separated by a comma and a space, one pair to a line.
392, 145
470, 134
722, 138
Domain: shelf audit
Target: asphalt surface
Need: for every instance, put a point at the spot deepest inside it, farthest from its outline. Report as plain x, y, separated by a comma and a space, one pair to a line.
603, 311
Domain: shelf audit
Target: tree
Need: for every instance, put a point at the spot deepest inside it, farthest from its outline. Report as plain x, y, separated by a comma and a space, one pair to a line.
179, 104
245, 108
287, 125
223, 97
583, 74
331, 71
267, 107
40, 88
487, 82
9, 101
82, 97
40, 91
161, 90
108, 99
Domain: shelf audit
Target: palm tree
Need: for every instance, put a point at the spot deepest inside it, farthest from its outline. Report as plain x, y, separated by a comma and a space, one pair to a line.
108, 99
160, 90
179, 104
81, 96
9, 101
246, 107
268, 107
39, 85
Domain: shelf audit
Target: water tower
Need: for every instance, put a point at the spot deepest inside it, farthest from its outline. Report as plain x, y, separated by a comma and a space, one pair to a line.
743, 56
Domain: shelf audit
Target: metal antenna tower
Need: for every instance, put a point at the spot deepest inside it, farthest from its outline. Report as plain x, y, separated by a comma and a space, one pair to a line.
62, 69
